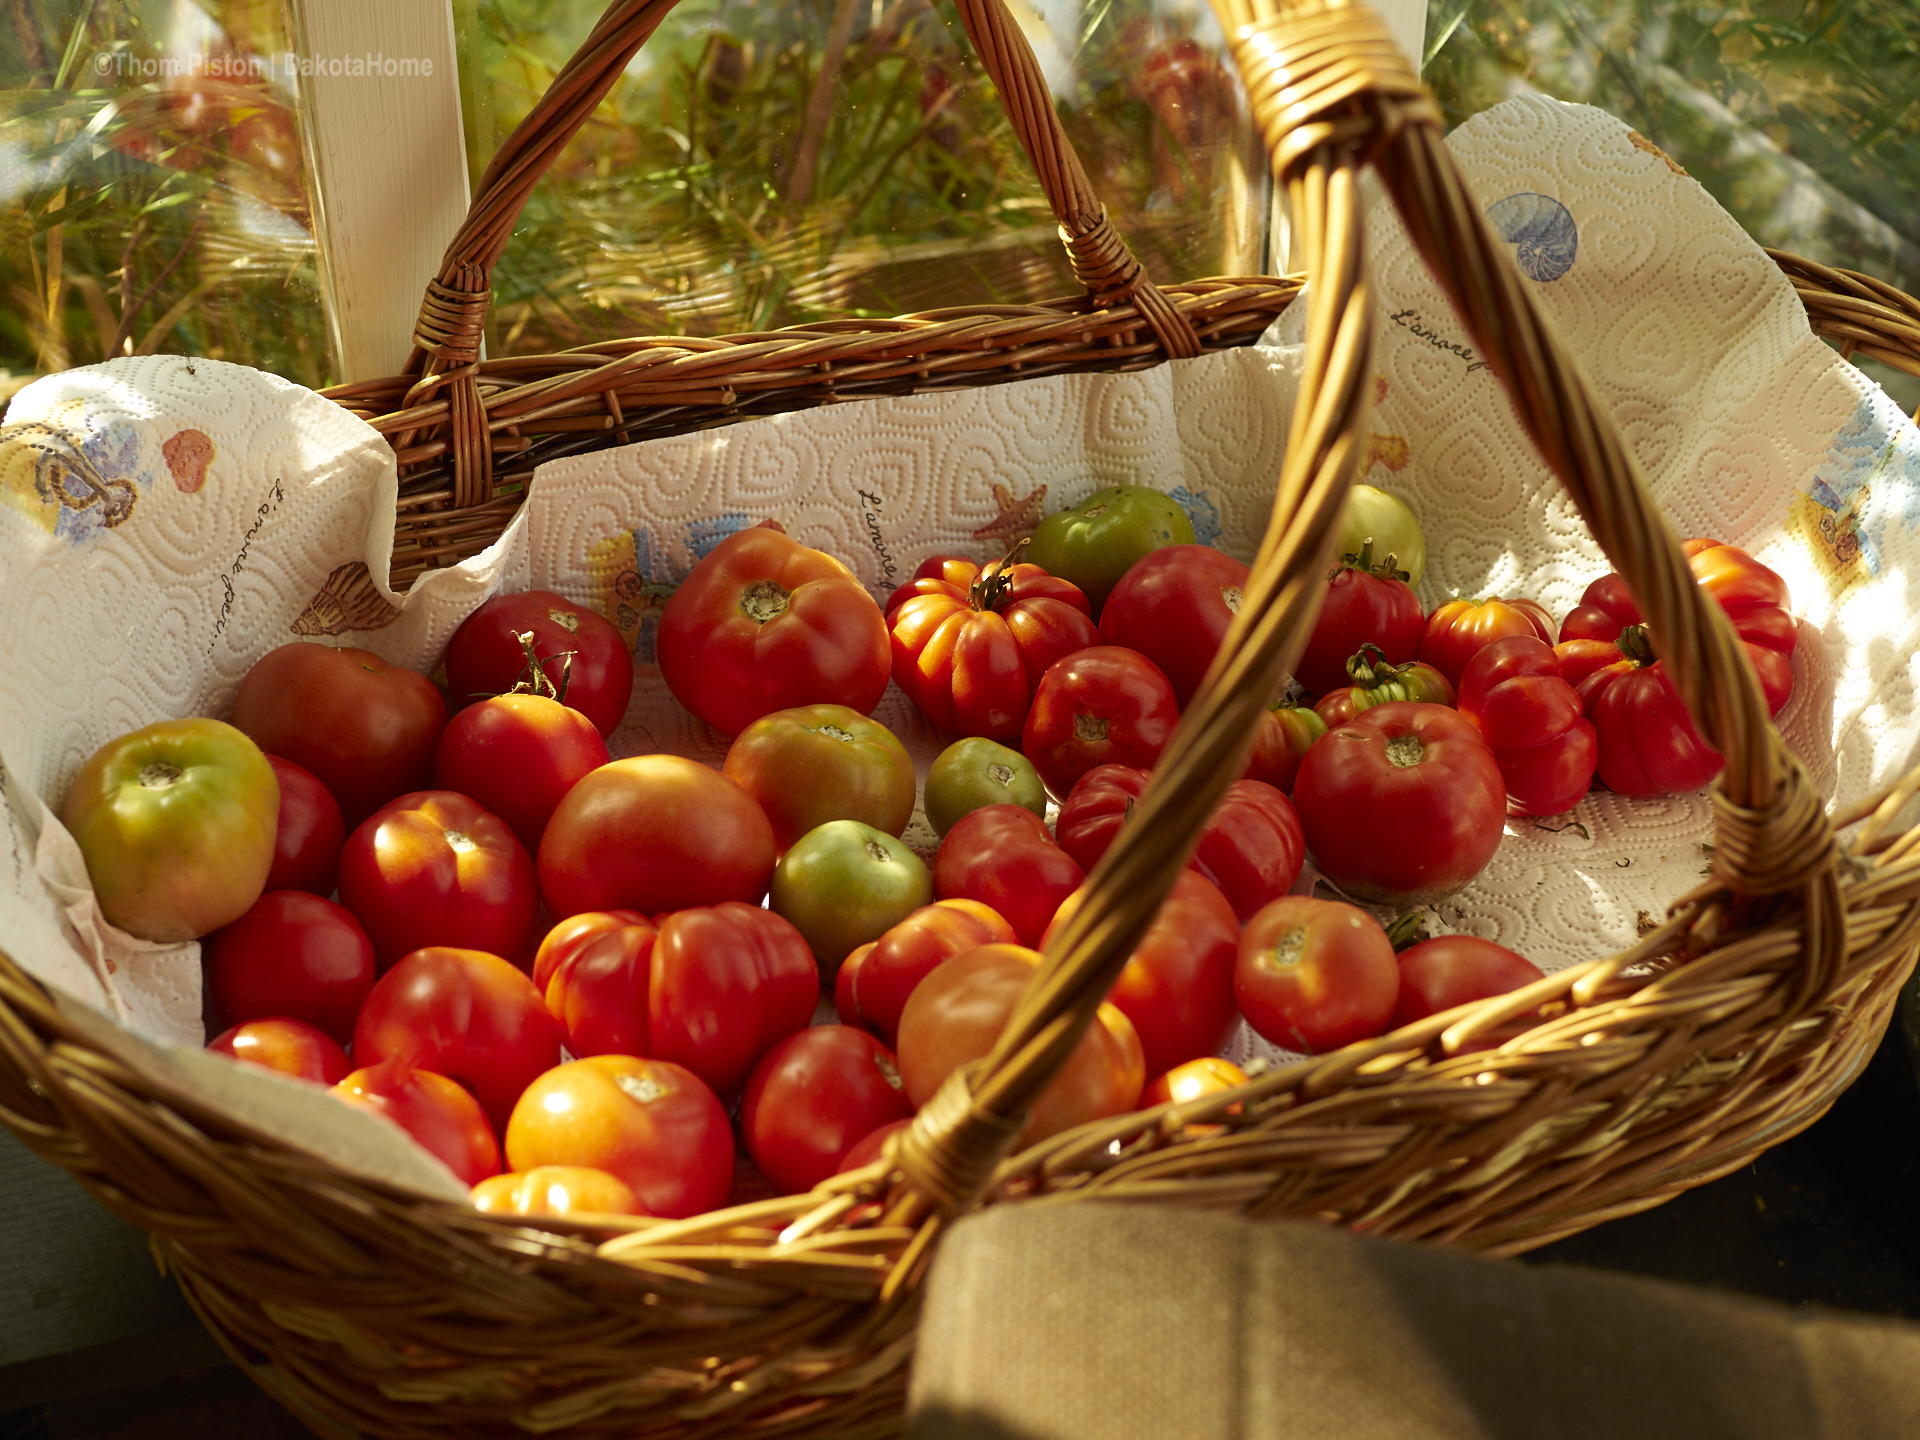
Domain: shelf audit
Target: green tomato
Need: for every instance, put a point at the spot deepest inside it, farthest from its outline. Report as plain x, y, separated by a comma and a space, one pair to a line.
816, 763
1094, 543
844, 884
972, 774
1384, 519
176, 823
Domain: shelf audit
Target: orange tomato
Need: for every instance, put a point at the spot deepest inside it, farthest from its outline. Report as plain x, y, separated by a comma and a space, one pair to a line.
651, 1124
556, 1190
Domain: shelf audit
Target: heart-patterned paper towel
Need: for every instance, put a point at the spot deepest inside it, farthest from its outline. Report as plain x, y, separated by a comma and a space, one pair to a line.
163, 523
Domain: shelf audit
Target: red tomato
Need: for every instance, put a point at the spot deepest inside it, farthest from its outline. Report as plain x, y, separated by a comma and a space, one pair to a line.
293, 955
1403, 804
1460, 629
971, 652
434, 868
292, 1047
1754, 597
464, 1014
1174, 606
871, 1146
1251, 847
729, 982
1177, 987
1514, 694
1314, 975
813, 1097
597, 990
844, 979
486, 657
561, 939
764, 624
558, 1190
899, 960
1365, 602
307, 840
958, 1012
518, 756
654, 833
1647, 742
365, 727
1287, 731
1102, 706
649, 1123
1452, 970
941, 570
446, 1121
1004, 857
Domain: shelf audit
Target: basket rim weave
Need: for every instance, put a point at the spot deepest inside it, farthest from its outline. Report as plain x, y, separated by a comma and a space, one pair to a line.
1728, 1026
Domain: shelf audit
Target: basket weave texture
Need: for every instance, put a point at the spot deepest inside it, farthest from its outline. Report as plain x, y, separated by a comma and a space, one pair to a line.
1729, 1026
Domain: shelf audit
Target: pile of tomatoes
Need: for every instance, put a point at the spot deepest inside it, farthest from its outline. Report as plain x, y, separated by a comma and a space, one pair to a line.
586, 983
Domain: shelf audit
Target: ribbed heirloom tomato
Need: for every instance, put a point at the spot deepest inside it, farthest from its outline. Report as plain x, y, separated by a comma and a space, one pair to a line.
728, 983
1516, 695
764, 624
969, 650
1460, 629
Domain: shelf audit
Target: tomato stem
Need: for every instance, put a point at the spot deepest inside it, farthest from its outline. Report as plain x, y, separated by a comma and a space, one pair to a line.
161, 775
534, 679
992, 587
1636, 645
1408, 931
1404, 751
762, 601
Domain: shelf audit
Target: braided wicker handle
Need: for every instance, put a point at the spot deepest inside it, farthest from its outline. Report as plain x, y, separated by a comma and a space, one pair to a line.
1331, 92
447, 335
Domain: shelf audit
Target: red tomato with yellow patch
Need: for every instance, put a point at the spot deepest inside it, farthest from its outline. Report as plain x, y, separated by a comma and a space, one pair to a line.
762, 623
597, 989
435, 868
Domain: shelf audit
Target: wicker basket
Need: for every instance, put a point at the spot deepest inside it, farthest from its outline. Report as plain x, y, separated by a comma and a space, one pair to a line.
795, 1316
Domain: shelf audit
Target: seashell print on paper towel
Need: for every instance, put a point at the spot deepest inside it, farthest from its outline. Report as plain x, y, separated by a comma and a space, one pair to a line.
1541, 230
347, 601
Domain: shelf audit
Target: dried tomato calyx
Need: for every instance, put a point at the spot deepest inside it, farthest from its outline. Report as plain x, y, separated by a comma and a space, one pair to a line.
161, 775
762, 601
1404, 751
1636, 645
994, 586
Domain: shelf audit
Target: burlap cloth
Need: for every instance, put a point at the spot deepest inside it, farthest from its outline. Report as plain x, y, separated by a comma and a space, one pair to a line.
1110, 1322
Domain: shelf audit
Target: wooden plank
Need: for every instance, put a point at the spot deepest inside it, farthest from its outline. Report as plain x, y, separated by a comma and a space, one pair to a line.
380, 113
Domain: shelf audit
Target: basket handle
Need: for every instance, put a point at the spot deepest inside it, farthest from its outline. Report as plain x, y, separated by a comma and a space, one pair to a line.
446, 337
1331, 92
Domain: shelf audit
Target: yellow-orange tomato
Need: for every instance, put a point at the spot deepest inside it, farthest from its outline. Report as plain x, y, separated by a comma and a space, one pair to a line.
556, 1190
651, 1124
958, 1011
1208, 1075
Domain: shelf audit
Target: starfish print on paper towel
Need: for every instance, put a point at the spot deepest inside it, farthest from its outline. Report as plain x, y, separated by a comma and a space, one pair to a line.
1017, 518
1391, 451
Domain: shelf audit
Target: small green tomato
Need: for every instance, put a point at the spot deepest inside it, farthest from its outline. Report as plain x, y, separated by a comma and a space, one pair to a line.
843, 884
1095, 542
972, 774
